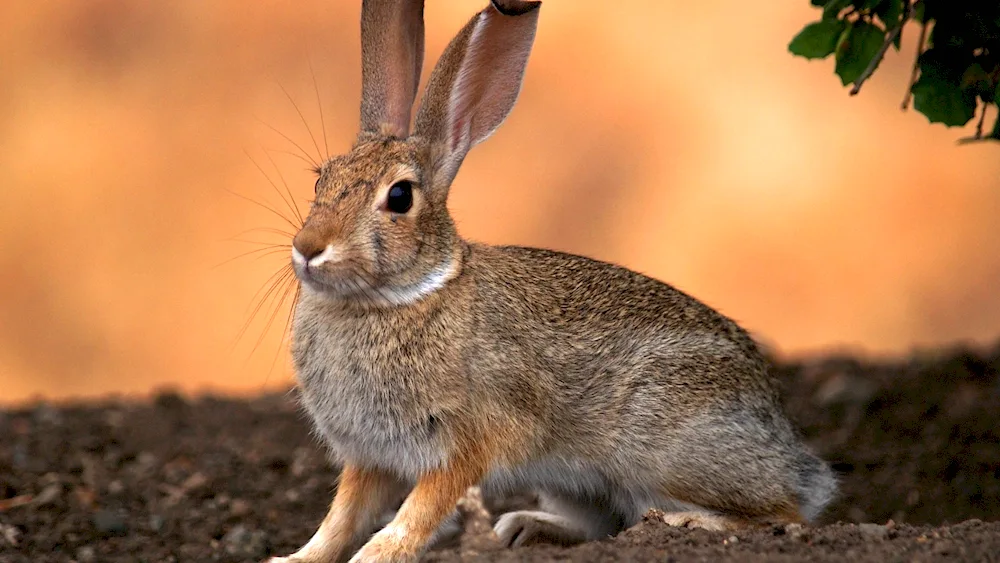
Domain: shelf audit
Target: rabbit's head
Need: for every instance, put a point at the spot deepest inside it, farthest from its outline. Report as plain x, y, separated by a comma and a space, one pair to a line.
379, 227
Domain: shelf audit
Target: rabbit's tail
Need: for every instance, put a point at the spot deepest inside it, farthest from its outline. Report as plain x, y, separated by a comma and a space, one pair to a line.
817, 486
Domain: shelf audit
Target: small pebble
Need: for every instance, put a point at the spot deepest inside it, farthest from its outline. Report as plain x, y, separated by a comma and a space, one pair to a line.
196, 481
9, 534
49, 494
877, 531
797, 532
114, 418
843, 388
86, 554
242, 542
239, 507
155, 522
301, 461
145, 461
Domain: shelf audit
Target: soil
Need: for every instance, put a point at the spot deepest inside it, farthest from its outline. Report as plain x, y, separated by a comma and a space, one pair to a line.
915, 441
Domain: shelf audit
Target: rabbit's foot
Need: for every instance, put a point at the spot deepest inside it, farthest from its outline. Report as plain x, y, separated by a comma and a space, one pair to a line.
703, 520
319, 549
527, 527
303, 557
389, 545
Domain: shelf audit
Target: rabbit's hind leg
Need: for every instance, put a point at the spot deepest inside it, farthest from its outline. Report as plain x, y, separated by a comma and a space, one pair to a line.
718, 522
704, 520
560, 520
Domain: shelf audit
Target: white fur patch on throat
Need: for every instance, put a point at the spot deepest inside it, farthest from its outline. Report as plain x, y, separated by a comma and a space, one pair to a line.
412, 293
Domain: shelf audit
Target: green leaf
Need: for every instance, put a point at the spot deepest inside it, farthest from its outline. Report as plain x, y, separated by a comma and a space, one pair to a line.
817, 40
996, 129
939, 94
870, 4
919, 11
943, 103
996, 97
890, 11
857, 49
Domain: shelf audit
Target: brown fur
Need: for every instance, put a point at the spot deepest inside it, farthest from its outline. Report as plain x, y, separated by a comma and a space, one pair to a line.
392, 51
431, 362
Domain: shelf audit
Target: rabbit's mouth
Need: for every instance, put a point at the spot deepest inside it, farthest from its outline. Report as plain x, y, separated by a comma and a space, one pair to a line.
356, 285
340, 284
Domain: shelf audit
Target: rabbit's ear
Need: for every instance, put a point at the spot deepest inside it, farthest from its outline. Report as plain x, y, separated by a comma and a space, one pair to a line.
392, 52
476, 82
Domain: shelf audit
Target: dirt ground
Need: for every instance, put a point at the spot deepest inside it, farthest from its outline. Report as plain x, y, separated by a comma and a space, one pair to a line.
916, 443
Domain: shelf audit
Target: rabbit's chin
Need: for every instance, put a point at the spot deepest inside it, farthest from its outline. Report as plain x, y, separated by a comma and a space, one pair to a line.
340, 288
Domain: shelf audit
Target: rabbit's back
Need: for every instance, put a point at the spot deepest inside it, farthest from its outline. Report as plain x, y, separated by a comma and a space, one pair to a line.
599, 332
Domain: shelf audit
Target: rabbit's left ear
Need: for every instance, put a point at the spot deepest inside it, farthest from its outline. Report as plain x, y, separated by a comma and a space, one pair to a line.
476, 82
392, 52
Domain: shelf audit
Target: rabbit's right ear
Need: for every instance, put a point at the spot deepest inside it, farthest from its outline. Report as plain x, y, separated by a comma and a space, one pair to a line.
475, 83
392, 52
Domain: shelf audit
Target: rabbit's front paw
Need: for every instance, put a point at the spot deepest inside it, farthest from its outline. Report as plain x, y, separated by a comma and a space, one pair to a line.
387, 546
527, 527
294, 558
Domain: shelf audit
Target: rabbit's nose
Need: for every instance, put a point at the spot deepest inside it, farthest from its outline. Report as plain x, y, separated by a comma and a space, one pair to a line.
308, 248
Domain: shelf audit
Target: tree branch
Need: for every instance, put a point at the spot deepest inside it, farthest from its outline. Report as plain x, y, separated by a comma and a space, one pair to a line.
982, 118
916, 66
882, 50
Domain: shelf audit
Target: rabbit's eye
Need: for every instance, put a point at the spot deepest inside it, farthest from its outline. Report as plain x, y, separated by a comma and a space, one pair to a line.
400, 197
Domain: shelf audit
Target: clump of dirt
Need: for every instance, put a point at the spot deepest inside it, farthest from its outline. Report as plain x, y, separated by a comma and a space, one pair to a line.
211, 479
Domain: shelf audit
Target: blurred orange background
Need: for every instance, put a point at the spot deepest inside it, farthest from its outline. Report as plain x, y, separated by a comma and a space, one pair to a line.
680, 139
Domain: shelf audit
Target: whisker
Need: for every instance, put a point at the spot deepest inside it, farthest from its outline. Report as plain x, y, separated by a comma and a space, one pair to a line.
268, 230
288, 204
312, 165
270, 285
283, 284
255, 202
263, 244
304, 122
266, 252
291, 198
319, 104
284, 331
309, 158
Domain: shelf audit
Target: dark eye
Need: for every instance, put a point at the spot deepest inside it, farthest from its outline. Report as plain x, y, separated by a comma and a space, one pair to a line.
400, 198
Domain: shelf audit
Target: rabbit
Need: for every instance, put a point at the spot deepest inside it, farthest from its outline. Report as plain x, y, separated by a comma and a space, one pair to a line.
429, 364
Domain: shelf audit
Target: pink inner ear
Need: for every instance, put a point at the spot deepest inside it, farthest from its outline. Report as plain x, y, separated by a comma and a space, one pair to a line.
489, 79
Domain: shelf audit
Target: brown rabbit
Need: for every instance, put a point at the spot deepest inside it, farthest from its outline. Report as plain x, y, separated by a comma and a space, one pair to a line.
430, 364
